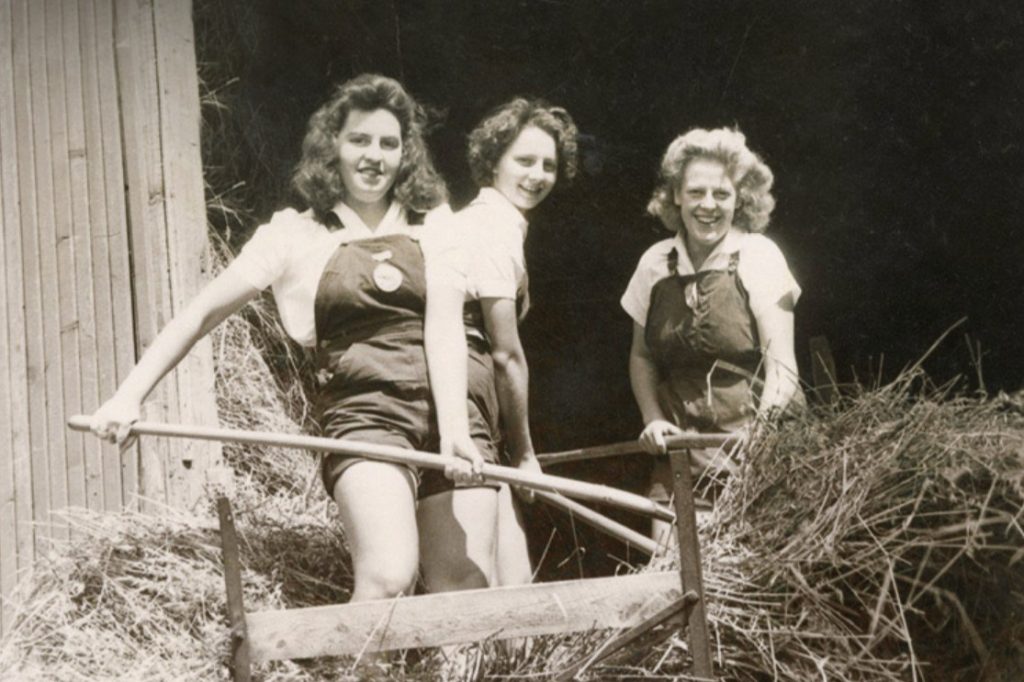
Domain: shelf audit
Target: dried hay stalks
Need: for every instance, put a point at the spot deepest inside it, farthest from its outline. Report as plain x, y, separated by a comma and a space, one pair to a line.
878, 540
259, 379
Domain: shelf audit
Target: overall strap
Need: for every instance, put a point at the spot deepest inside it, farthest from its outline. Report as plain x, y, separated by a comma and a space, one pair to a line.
673, 261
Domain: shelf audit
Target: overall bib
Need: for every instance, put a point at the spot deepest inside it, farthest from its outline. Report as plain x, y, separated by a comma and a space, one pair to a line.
703, 339
371, 362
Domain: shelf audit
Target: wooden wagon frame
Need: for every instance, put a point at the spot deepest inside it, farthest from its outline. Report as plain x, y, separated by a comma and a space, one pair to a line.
648, 607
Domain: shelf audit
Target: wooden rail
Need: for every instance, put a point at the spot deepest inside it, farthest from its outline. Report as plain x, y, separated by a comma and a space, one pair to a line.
601, 522
567, 486
725, 441
642, 602
455, 617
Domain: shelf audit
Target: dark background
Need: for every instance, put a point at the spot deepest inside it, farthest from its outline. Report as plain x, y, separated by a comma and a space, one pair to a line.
894, 130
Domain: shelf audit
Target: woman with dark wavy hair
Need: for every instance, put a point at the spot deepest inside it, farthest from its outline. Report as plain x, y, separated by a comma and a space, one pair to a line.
712, 306
516, 156
348, 277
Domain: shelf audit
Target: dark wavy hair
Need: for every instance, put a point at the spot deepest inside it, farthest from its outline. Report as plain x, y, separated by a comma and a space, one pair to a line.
748, 172
317, 177
494, 135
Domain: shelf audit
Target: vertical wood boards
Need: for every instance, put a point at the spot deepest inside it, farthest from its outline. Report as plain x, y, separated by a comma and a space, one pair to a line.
123, 467
159, 99
137, 86
35, 389
13, 412
103, 471
186, 226
67, 468
104, 237
89, 482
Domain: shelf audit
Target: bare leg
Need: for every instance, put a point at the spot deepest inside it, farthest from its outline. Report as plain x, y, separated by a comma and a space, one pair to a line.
378, 511
457, 537
512, 563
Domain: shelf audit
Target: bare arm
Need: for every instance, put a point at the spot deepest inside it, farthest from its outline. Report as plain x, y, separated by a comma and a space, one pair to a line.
781, 382
218, 299
644, 378
444, 339
511, 374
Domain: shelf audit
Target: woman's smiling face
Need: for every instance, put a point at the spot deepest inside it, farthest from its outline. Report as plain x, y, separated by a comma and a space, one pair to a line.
528, 169
370, 154
707, 202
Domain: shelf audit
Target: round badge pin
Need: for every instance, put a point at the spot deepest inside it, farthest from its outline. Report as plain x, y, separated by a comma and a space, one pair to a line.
387, 277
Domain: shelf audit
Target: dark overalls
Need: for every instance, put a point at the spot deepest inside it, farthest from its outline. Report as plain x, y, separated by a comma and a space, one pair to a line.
703, 339
372, 366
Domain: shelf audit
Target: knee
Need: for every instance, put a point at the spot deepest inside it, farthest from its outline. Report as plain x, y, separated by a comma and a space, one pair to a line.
383, 580
458, 575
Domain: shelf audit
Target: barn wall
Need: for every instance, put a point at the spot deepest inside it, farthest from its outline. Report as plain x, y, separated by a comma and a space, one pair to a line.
104, 238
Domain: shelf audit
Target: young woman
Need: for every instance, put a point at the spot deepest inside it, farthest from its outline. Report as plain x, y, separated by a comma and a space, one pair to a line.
348, 276
516, 155
712, 306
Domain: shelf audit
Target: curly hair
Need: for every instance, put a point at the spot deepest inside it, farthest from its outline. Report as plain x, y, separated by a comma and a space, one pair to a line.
494, 135
317, 177
750, 175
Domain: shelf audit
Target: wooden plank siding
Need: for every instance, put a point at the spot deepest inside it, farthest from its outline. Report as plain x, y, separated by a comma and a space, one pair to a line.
19, 456
104, 238
186, 226
123, 465
10, 304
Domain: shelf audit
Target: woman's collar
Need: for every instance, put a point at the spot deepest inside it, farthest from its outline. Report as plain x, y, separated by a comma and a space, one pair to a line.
730, 243
394, 219
492, 197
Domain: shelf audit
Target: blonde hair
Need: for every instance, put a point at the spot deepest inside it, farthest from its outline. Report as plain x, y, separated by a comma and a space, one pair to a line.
749, 174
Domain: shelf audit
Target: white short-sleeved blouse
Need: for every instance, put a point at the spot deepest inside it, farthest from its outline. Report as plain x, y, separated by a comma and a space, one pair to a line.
290, 252
485, 239
762, 269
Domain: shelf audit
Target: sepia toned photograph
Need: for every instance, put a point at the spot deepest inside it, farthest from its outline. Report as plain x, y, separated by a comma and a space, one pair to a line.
511, 340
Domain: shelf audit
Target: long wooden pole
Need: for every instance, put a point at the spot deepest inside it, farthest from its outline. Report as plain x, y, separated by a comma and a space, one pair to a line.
632, 447
572, 488
601, 522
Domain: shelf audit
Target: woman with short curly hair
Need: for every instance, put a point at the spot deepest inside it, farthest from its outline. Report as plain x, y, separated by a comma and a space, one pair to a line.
317, 178
712, 307
349, 278
517, 154
495, 134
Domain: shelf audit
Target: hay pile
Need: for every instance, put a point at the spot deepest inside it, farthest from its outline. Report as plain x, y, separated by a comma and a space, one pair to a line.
878, 540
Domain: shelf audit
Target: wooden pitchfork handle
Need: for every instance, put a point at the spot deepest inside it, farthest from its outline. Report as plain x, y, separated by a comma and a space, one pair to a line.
725, 441
387, 453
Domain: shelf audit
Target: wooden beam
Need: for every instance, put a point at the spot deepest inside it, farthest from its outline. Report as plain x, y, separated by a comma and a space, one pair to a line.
631, 447
600, 521
388, 453
642, 636
240, 669
453, 617
690, 562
